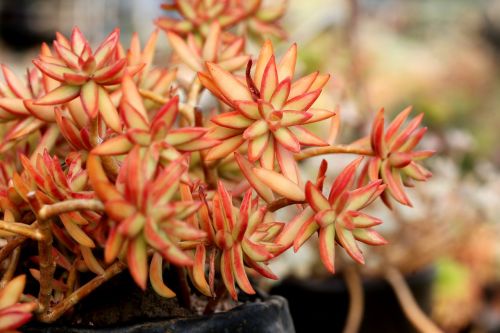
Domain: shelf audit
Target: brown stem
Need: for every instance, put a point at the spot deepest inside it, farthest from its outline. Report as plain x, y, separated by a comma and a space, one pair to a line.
356, 299
11, 245
334, 149
11, 268
188, 109
410, 307
47, 265
66, 304
183, 295
212, 303
280, 203
70, 282
21, 229
48, 211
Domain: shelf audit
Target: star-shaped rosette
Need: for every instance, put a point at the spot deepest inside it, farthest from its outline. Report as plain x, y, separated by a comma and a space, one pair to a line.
52, 183
16, 106
196, 16
269, 111
145, 213
244, 238
85, 74
157, 132
265, 20
228, 54
396, 162
336, 218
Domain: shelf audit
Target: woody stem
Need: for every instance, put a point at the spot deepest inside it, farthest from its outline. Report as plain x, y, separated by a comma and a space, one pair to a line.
21, 229
47, 265
58, 310
333, 149
58, 208
13, 244
356, 299
11, 268
410, 307
280, 203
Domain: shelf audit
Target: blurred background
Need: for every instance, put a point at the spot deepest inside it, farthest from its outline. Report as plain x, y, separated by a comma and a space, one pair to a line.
442, 57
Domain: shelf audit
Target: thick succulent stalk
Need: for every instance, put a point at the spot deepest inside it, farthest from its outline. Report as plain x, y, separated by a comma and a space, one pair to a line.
188, 110
13, 244
410, 307
354, 284
48, 211
334, 149
57, 311
22, 229
47, 264
11, 268
281, 203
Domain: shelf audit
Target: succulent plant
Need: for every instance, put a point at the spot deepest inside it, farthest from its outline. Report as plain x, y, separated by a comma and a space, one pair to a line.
269, 110
109, 163
395, 161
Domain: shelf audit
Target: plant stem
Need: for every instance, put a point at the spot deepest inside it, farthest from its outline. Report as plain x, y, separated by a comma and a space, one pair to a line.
21, 229
11, 268
334, 149
280, 203
410, 307
183, 295
47, 264
66, 304
48, 211
212, 303
356, 299
13, 244
70, 282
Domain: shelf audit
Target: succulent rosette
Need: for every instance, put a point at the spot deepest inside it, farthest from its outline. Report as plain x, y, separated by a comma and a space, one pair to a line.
51, 183
157, 132
336, 218
145, 212
196, 16
17, 108
85, 74
395, 161
228, 54
265, 20
269, 111
242, 235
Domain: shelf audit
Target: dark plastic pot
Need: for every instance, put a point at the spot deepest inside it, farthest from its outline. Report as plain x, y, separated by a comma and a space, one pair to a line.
322, 305
121, 307
270, 316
